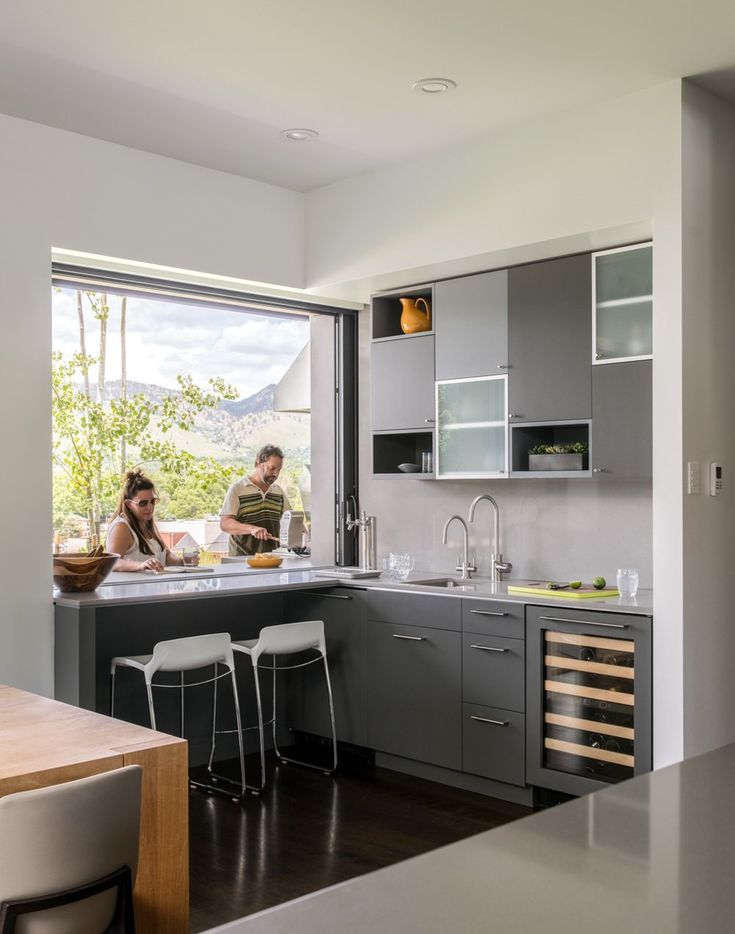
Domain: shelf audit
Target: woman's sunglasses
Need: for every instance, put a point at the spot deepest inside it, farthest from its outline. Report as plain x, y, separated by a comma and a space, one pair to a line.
145, 502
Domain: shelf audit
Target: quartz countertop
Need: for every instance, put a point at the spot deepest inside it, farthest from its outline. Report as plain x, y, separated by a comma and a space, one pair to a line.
296, 573
653, 854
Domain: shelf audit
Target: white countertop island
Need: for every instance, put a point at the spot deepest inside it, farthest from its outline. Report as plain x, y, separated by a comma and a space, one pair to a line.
653, 855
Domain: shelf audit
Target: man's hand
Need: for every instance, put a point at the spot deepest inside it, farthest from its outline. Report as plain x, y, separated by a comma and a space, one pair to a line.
257, 531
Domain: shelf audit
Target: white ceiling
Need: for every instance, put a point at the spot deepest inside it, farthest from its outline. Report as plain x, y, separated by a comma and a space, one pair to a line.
215, 83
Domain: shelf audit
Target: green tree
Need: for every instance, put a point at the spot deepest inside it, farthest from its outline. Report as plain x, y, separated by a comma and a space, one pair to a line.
89, 435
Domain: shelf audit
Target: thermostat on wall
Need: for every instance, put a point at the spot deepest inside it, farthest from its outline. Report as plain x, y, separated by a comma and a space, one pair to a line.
715, 479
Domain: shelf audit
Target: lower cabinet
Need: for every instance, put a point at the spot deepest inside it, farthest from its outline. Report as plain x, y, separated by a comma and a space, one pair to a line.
493, 690
343, 611
493, 743
414, 693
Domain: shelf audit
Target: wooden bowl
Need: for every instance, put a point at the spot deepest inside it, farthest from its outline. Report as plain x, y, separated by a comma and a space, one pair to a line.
76, 573
265, 561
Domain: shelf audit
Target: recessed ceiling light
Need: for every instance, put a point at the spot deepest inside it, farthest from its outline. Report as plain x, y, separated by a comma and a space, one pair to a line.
299, 135
434, 85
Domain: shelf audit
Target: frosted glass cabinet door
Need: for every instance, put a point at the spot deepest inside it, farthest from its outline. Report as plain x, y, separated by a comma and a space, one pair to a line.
623, 304
472, 427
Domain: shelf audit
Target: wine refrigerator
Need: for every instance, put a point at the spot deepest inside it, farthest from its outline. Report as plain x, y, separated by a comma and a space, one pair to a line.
588, 703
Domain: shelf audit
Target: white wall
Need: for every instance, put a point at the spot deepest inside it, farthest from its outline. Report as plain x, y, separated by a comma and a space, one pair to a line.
59, 189
708, 141
590, 178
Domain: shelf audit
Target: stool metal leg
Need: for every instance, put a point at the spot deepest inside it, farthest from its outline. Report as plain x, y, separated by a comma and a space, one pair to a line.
261, 738
183, 685
244, 787
112, 693
151, 711
309, 765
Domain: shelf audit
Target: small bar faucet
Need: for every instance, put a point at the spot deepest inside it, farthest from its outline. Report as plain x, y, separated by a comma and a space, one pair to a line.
466, 568
498, 567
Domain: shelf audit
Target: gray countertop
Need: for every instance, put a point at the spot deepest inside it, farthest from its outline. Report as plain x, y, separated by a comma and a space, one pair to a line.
653, 854
296, 573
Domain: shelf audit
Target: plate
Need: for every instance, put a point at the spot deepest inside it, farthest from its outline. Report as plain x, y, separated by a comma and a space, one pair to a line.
409, 468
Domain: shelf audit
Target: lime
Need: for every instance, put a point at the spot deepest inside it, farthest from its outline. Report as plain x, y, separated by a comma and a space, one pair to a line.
575, 585
598, 583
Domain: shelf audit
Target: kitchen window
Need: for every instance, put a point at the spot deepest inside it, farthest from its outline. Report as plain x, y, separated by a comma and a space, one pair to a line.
189, 382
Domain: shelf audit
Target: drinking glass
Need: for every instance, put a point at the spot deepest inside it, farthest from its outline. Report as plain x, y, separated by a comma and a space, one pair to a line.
388, 573
190, 556
627, 580
402, 565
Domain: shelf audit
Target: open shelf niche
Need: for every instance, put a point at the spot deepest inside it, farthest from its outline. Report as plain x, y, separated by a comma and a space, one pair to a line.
394, 448
525, 436
386, 311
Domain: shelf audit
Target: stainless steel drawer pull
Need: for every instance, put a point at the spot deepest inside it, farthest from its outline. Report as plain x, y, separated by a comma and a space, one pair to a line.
489, 648
582, 622
487, 613
326, 596
410, 638
488, 720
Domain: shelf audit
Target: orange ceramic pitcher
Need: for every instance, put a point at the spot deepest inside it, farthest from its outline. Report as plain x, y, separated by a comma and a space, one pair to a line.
413, 319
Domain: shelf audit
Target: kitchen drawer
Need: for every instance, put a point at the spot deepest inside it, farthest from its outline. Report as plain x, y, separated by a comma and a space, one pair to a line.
435, 611
493, 743
493, 671
493, 618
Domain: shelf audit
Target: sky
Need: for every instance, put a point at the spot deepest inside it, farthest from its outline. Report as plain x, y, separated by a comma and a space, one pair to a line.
164, 339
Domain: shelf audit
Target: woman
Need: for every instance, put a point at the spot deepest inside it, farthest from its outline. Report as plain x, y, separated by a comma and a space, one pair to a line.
133, 534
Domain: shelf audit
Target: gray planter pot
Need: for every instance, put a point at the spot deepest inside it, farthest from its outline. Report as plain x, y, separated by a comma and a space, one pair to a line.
557, 461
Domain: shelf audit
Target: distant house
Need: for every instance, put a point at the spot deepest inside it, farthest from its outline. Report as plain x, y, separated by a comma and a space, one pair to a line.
220, 545
175, 541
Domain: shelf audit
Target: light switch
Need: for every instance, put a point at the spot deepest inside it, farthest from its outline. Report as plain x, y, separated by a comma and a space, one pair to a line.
694, 482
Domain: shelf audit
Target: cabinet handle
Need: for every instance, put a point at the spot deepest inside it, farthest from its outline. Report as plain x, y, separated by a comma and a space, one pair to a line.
429, 421
582, 622
514, 415
488, 720
326, 596
489, 648
504, 366
410, 638
599, 469
487, 613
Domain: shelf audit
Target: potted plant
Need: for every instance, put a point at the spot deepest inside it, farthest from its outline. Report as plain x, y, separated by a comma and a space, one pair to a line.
558, 456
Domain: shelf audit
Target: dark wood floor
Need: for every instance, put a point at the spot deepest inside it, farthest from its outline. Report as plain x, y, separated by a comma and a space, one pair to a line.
309, 830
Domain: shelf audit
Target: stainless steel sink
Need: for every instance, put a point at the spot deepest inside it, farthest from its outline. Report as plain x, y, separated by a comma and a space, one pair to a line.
445, 582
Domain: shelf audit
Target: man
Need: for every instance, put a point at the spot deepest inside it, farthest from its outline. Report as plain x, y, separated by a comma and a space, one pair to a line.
253, 506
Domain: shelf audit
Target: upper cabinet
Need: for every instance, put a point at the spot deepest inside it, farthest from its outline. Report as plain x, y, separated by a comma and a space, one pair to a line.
622, 427
471, 326
402, 376
549, 341
622, 304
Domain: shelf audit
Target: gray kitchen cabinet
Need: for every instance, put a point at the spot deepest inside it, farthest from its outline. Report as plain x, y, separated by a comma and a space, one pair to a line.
622, 422
493, 671
471, 325
549, 340
622, 311
493, 743
493, 690
414, 692
438, 611
343, 611
402, 381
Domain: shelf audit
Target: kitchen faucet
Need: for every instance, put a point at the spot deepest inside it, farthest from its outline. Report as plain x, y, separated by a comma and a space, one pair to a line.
498, 567
465, 567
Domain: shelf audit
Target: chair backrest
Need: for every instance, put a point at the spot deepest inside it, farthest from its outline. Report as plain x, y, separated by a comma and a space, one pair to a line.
192, 652
64, 836
290, 637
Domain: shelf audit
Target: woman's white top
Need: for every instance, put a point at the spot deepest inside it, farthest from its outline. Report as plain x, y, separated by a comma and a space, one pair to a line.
134, 553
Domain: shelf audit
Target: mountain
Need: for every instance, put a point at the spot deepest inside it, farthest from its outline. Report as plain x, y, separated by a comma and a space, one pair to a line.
235, 428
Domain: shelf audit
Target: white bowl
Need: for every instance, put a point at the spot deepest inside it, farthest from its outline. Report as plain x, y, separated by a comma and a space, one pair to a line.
409, 468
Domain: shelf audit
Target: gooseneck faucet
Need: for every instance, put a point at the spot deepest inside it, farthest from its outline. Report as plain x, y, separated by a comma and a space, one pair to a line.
498, 567
466, 568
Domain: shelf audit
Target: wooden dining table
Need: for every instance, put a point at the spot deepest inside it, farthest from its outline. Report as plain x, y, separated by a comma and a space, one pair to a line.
44, 742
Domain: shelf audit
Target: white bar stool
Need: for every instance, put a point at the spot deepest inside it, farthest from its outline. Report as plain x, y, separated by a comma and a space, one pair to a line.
285, 639
187, 655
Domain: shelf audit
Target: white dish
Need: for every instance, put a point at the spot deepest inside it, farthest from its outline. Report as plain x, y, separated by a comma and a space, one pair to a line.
409, 468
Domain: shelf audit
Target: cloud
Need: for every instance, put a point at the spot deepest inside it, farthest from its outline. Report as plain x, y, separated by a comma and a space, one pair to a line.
165, 339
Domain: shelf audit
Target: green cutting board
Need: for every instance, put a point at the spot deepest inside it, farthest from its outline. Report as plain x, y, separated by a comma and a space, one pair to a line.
585, 592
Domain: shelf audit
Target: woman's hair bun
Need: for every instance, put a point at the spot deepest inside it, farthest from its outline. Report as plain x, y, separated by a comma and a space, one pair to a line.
134, 474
